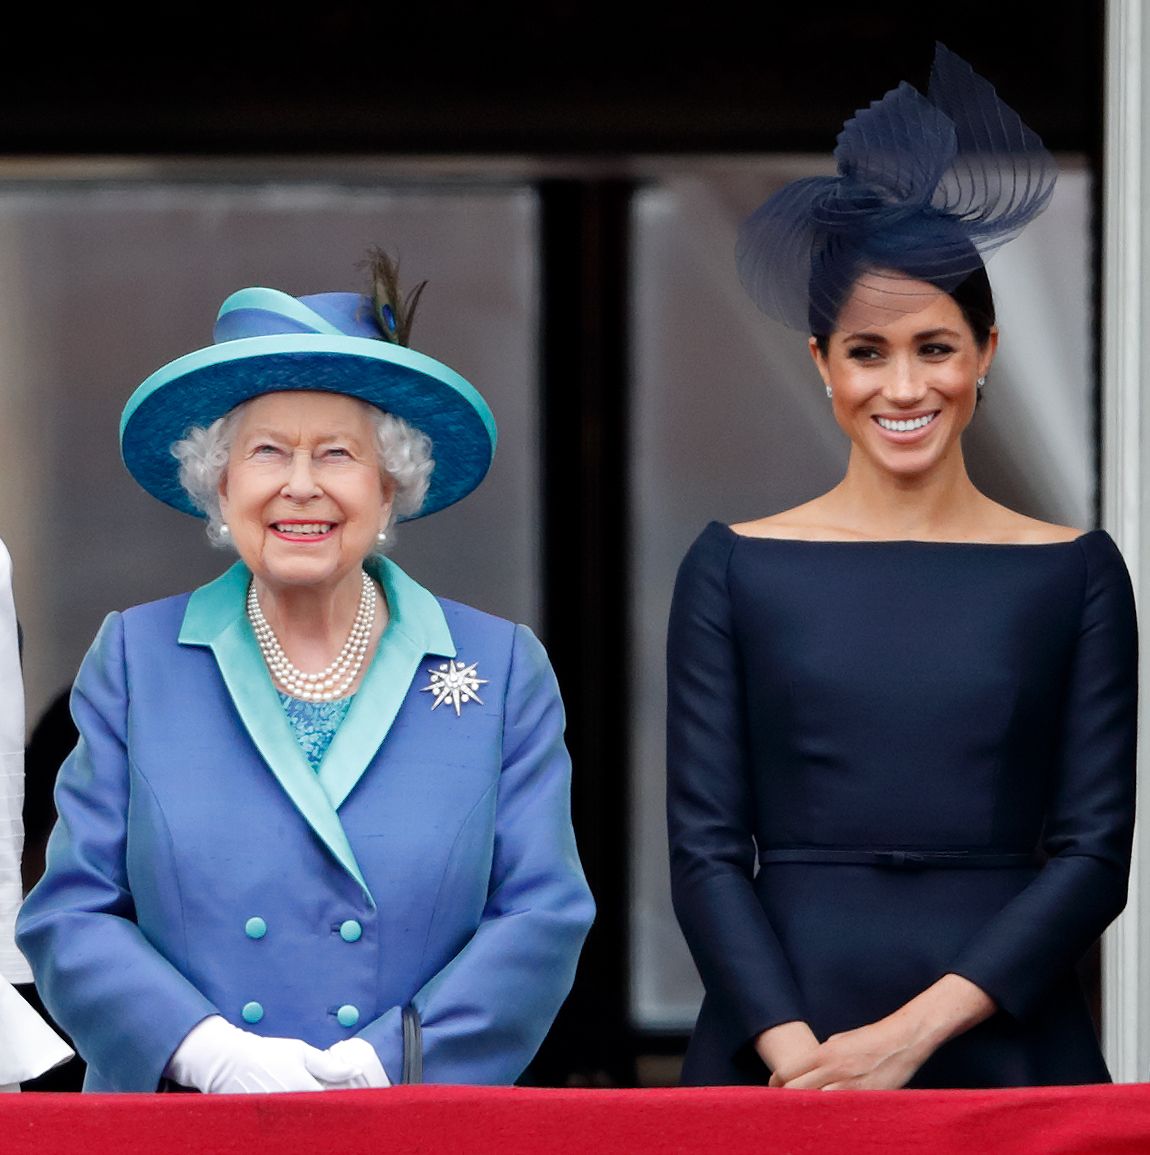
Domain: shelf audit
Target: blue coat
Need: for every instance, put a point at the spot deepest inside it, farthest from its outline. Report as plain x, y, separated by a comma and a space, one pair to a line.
199, 866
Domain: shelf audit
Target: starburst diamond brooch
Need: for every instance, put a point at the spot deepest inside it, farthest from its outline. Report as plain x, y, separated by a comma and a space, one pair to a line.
455, 683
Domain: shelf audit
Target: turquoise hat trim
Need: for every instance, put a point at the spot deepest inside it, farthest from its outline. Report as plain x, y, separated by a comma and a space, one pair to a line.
273, 301
198, 388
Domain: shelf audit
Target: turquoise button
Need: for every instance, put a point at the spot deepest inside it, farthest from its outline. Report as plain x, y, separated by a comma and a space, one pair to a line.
350, 931
255, 927
252, 1012
347, 1015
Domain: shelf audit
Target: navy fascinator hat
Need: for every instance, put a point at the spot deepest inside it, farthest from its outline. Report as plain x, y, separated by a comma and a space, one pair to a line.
927, 187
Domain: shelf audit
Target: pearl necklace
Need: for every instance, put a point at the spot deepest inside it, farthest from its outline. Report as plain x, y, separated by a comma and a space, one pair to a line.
336, 680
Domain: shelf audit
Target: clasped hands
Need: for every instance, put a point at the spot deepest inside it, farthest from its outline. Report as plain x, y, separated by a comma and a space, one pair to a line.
218, 1058
879, 1056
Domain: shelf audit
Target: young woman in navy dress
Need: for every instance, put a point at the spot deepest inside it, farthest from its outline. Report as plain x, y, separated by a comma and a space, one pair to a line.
901, 718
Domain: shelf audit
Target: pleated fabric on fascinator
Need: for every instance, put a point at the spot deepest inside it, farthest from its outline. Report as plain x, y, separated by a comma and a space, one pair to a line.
927, 187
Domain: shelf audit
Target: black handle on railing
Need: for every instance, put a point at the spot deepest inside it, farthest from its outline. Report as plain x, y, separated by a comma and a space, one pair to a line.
412, 1046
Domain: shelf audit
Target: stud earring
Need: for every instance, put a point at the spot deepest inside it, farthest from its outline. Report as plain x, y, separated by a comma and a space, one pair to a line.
981, 382
381, 537
830, 391
225, 531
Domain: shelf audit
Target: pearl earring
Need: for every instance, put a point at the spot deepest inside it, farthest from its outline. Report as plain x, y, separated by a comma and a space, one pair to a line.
381, 537
830, 391
225, 531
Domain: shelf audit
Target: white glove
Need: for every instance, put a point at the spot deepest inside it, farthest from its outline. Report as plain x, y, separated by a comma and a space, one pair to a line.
357, 1056
217, 1058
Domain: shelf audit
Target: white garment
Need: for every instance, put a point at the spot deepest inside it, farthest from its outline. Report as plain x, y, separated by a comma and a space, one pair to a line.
28, 1046
12, 964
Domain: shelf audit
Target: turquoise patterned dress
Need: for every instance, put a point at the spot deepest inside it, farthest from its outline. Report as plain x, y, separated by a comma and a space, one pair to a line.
315, 724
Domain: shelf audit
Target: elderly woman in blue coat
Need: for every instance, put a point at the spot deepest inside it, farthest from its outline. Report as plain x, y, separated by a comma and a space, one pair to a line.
316, 832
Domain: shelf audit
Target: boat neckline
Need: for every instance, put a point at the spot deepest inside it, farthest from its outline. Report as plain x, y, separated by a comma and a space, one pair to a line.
911, 540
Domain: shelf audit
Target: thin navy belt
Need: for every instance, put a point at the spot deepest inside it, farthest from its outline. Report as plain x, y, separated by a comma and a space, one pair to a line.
898, 859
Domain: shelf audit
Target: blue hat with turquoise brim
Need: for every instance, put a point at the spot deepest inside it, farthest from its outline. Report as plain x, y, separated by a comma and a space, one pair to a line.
268, 342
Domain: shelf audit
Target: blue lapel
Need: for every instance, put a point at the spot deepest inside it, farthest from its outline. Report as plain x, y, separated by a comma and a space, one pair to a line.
416, 628
216, 617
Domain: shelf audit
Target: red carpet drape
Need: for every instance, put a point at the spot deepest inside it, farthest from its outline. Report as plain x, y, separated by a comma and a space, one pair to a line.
510, 1121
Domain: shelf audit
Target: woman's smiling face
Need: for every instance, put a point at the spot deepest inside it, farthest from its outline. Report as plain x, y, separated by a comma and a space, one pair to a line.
903, 388
302, 494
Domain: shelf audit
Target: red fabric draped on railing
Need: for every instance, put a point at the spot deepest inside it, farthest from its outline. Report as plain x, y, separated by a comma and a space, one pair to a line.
513, 1121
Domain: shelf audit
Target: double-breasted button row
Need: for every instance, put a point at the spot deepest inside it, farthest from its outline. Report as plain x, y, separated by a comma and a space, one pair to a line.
346, 1016
350, 930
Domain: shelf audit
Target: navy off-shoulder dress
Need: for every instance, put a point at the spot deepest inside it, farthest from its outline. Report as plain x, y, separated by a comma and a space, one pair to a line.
893, 760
